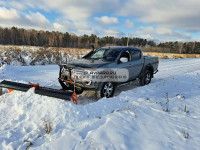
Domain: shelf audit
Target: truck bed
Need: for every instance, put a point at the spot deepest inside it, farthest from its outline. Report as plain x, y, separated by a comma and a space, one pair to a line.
153, 61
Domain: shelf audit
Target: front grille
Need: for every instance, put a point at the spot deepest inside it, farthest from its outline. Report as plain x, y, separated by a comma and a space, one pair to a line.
66, 73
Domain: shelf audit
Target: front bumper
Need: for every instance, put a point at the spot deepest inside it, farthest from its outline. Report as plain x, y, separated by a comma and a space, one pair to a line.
80, 85
66, 82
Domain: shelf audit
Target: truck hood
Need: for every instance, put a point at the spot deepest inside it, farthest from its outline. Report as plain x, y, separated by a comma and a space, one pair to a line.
88, 63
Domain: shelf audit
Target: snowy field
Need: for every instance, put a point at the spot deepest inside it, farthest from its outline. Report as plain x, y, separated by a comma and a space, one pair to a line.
162, 115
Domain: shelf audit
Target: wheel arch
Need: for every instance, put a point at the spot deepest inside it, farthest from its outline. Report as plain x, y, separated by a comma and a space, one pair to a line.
147, 67
150, 68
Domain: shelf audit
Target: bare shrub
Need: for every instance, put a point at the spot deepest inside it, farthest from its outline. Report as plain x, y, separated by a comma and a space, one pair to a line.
167, 102
186, 135
163, 55
47, 126
1, 91
185, 110
29, 145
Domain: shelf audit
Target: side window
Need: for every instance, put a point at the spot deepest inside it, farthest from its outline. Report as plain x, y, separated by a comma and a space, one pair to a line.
125, 57
135, 55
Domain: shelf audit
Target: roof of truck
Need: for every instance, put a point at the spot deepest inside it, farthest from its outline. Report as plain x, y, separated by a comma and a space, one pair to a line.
120, 47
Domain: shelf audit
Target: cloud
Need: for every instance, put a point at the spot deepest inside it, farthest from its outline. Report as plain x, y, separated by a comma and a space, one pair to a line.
76, 11
74, 15
59, 27
146, 36
129, 24
182, 14
112, 32
35, 20
107, 20
172, 19
86, 31
162, 34
12, 17
164, 31
8, 14
13, 4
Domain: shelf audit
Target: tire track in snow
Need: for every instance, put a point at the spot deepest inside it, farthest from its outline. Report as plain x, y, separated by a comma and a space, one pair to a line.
170, 69
167, 69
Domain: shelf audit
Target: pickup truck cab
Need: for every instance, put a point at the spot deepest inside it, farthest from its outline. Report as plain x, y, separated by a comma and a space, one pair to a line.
131, 59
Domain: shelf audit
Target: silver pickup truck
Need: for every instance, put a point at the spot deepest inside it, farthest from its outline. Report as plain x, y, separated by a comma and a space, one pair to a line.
120, 65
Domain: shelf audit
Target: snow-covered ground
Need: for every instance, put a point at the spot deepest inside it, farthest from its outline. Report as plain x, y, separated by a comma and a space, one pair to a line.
162, 115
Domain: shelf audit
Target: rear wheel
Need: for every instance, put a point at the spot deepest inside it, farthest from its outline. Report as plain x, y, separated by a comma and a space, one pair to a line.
145, 78
105, 89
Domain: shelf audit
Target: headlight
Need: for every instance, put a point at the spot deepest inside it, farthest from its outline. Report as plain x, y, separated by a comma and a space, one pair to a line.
88, 82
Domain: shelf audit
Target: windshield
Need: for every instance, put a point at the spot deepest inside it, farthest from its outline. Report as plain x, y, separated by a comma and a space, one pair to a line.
105, 54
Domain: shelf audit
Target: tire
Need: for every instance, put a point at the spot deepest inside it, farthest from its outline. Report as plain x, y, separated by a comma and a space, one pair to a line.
105, 89
145, 79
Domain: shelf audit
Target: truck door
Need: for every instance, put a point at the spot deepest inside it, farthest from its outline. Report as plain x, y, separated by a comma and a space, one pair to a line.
124, 61
136, 63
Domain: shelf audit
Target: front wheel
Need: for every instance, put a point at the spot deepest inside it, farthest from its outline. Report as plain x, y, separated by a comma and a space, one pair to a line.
146, 78
105, 89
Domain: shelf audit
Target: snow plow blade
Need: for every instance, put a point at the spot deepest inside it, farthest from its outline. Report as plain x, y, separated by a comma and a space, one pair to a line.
53, 93
38, 89
15, 86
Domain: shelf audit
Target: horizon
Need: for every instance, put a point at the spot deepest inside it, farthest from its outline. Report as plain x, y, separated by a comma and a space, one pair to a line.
152, 20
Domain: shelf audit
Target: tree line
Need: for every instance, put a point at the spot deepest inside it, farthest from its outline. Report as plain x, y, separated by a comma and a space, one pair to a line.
20, 36
181, 47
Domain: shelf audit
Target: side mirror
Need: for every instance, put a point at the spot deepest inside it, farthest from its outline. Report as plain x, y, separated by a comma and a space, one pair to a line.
123, 59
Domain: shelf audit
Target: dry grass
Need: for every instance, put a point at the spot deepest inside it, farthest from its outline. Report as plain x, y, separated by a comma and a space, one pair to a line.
41, 52
156, 49
43, 55
75, 51
171, 55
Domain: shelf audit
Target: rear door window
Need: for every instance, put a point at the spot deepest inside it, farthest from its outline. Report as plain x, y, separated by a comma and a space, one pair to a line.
135, 55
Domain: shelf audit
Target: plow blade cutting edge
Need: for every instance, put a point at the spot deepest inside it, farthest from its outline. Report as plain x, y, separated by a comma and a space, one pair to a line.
38, 89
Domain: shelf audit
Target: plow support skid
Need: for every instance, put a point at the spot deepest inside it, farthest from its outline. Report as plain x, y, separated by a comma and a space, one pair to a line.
38, 90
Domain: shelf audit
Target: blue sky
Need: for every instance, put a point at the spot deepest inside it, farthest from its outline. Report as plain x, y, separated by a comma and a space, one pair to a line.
159, 20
